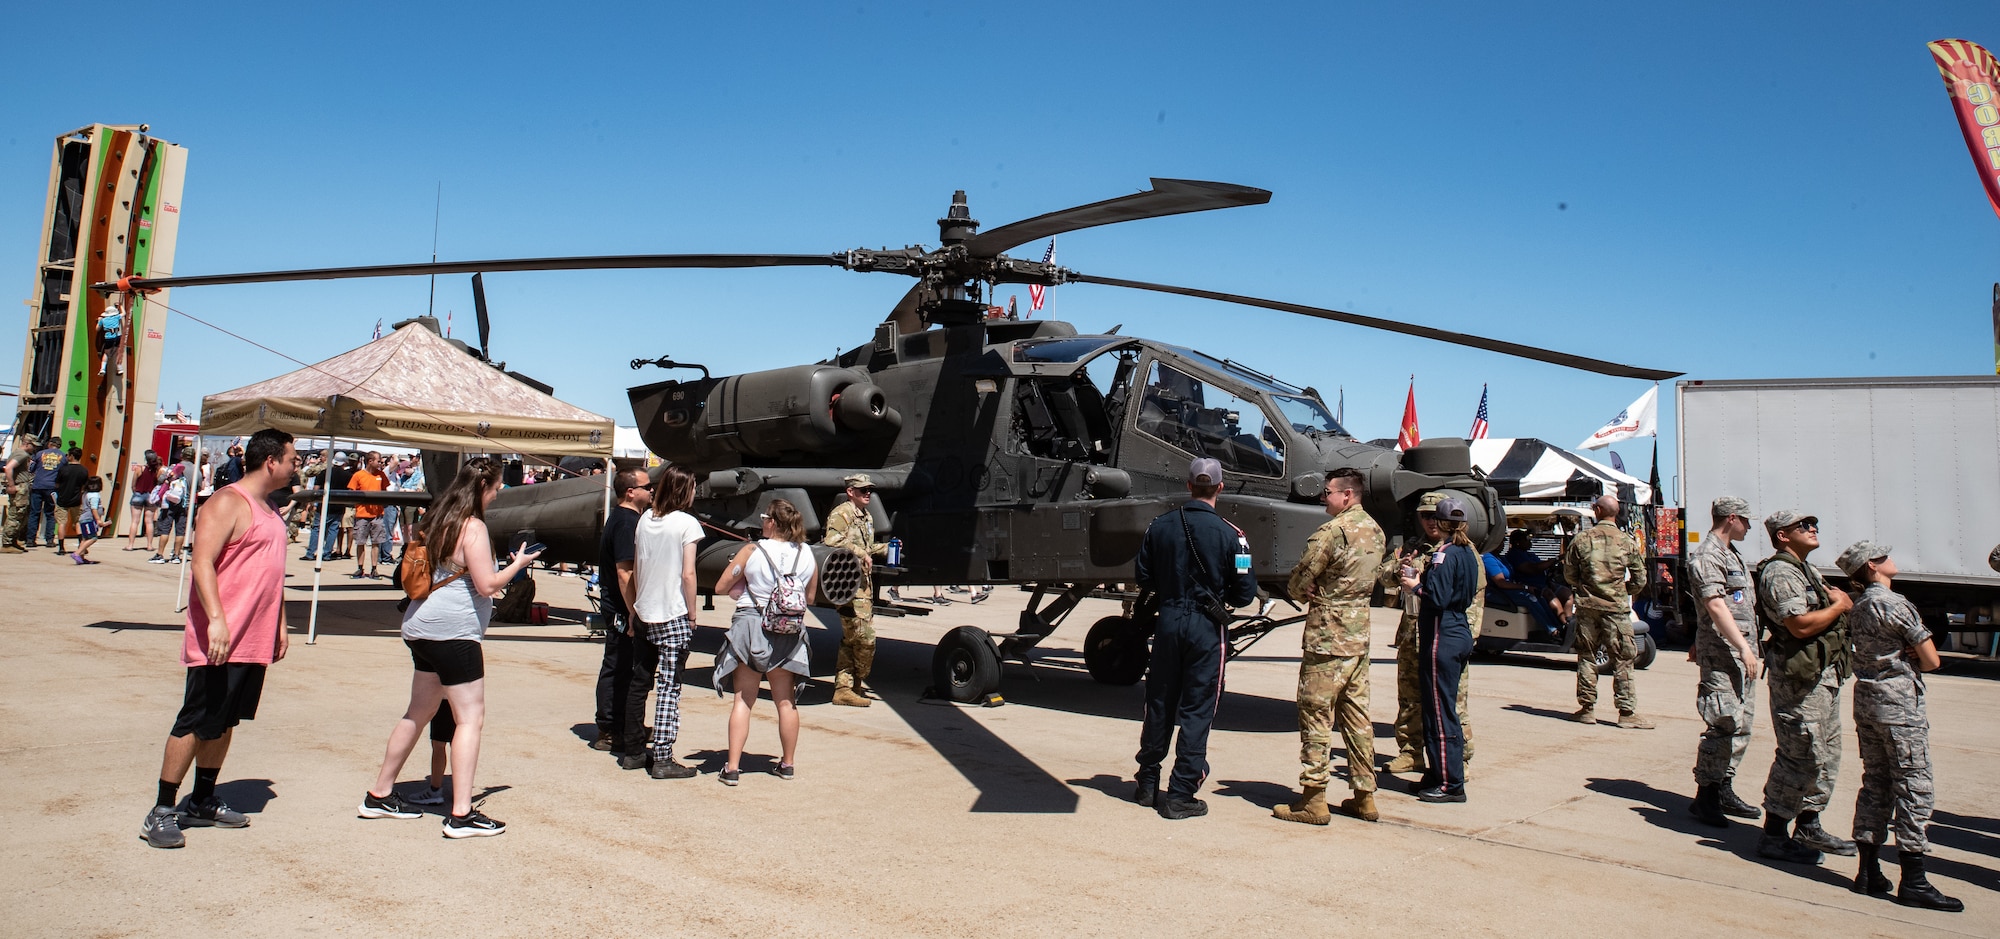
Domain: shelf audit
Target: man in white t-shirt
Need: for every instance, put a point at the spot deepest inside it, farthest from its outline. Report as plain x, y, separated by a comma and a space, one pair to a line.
663, 605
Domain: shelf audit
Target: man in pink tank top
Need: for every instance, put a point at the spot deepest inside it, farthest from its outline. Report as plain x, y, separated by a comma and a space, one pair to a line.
235, 627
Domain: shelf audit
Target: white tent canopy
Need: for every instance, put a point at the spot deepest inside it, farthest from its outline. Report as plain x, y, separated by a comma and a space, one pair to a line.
415, 388
1528, 468
411, 387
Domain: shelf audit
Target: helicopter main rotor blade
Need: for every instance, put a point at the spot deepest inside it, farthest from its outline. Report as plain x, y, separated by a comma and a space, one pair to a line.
1409, 329
1167, 197
593, 263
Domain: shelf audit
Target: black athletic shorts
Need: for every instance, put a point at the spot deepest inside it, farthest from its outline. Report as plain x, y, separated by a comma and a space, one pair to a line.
218, 696
443, 725
454, 661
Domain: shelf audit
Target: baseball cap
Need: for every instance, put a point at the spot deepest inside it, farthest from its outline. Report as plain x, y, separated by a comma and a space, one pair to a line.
859, 481
1205, 471
1858, 555
1785, 518
1729, 505
1450, 509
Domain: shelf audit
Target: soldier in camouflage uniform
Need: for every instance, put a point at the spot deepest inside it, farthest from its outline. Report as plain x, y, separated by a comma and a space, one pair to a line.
1805, 637
1891, 647
1726, 651
1605, 567
850, 526
19, 471
1333, 579
1409, 702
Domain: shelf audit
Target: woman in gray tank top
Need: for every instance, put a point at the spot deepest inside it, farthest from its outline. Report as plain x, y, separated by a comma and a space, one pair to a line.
443, 632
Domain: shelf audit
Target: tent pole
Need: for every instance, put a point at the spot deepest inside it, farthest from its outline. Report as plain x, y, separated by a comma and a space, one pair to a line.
319, 557
194, 509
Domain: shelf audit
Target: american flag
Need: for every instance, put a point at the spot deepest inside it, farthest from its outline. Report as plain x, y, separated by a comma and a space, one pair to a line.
1479, 420
1036, 292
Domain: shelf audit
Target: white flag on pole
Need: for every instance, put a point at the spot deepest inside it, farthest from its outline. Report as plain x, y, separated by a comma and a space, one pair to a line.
1640, 419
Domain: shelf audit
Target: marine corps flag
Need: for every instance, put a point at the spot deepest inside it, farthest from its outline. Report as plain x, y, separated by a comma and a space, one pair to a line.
1972, 79
1408, 436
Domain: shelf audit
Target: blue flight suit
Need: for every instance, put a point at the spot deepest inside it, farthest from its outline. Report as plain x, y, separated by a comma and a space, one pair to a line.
1444, 645
1184, 675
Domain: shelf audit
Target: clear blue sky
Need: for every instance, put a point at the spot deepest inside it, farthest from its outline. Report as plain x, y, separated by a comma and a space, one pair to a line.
1731, 193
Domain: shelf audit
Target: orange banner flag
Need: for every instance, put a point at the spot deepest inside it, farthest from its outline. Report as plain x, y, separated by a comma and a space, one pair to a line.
1408, 436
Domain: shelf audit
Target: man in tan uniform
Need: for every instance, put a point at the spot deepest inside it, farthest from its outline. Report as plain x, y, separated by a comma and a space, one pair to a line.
850, 526
1333, 579
1606, 568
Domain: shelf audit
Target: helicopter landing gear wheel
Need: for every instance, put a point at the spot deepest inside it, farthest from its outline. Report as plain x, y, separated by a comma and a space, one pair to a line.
966, 666
1115, 651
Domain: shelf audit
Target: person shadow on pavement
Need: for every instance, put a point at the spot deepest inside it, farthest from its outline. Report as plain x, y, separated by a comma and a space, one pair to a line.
1669, 810
248, 796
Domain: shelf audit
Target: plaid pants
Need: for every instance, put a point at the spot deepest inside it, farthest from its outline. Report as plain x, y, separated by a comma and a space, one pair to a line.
672, 638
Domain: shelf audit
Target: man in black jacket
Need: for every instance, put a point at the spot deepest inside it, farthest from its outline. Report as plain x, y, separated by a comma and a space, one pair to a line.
1199, 566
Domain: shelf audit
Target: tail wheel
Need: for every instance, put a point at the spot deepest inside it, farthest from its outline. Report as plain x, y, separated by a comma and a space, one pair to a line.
1115, 651
966, 665
1648, 650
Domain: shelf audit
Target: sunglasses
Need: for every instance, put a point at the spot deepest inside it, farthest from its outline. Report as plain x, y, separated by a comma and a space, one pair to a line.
1807, 526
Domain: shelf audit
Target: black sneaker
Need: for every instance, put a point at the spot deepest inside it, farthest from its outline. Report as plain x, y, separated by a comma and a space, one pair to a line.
1442, 794
1146, 793
669, 768
729, 776
1175, 807
784, 771
473, 824
389, 806
213, 813
635, 758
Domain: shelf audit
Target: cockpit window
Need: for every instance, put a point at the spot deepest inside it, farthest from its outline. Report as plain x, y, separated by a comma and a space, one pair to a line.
1073, 349
1206, 420
1307, 415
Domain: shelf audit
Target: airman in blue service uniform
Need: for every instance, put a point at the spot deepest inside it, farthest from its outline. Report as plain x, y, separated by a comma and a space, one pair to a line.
1199, 565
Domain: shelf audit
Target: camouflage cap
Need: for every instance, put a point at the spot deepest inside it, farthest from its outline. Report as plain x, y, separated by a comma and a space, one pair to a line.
1729, 505
1785, 518
1993, 560
859, 481
1430, 500
1858, 555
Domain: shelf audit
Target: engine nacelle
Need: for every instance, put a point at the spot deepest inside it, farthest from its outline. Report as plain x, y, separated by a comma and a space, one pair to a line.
768, 415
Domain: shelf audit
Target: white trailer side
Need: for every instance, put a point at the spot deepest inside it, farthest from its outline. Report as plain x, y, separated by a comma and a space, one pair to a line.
1910, 462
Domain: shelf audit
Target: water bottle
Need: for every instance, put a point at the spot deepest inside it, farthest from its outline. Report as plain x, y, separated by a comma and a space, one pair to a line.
895, 552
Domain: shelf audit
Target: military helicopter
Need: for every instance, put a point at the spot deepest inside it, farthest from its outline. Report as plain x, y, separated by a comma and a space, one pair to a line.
1008, 451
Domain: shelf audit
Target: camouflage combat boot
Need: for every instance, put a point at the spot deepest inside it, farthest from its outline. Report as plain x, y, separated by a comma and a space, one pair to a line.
1807, 831
843, 692
1361, 805
1310, 809
1408, 761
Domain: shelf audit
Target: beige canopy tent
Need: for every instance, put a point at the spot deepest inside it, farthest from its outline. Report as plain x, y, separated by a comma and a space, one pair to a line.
410, 387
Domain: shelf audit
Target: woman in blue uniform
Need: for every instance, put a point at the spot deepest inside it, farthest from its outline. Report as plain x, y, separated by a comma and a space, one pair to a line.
1444, 643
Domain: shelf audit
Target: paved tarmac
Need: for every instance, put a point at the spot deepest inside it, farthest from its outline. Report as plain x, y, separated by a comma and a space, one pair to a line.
907, 818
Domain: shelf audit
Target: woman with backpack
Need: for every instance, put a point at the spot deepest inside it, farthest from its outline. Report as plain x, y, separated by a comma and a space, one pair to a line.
443, 629
170, 525
772, 580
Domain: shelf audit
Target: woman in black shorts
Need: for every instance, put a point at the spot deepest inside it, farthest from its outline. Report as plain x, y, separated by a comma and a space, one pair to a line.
443, 632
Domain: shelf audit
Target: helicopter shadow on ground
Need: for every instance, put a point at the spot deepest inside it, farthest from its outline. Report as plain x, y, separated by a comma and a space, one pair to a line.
1058, 682
1669, 810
